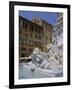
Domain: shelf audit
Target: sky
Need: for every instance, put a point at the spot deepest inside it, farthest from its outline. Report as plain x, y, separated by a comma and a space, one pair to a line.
50, 17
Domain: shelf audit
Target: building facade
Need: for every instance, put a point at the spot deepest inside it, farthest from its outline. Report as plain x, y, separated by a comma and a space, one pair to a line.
47, 29
32, 35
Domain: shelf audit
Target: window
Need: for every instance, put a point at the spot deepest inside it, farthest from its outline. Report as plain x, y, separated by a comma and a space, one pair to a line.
30, 42
35, 35
31, 28
36, 29
25, 42
25, 34
30, 50
24, 49
39, 30
39, 37
20, 40
23, 55
35, 43
20, 32
25, 25
39, 44
31, 34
